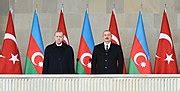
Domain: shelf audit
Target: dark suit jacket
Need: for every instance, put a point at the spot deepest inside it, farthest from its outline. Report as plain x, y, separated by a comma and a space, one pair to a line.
58, 59
107, 62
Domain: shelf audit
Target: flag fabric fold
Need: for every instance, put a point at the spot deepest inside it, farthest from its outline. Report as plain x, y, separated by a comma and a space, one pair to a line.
62, 27
113, 28
86, 47
165, 61
35, 52
140, 56
10, 62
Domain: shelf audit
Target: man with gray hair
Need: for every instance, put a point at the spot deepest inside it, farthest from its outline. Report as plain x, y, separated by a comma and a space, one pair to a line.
58, 57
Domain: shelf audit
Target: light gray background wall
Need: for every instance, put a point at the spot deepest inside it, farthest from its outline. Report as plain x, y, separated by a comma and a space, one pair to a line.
99, 13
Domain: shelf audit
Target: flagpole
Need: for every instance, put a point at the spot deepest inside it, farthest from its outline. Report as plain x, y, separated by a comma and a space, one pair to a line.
141, 6
10, 7
165, 4
87, 6
36, 4
11, 10
165, 7
113, 9
9, 4
114, 5
62, 7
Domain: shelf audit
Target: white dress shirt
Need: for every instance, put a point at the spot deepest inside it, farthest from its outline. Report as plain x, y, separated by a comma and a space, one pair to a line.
59, 44
107, 44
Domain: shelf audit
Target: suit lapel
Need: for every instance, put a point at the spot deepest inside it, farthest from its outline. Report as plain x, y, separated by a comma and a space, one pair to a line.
111, 47
102, 47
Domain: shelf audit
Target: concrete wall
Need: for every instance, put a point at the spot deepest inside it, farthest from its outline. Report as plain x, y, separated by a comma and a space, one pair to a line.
99, 13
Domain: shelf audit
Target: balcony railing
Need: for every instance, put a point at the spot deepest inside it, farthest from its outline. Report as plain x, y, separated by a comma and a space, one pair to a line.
149, 82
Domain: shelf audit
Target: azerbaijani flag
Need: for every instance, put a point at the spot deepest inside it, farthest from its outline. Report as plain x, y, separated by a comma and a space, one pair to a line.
35, 52
140, 56
86, 47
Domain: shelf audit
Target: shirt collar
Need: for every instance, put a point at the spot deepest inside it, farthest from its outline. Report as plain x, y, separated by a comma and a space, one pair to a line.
58, 44
107, 44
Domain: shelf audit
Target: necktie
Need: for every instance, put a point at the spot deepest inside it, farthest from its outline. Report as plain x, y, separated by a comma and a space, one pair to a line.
106, 47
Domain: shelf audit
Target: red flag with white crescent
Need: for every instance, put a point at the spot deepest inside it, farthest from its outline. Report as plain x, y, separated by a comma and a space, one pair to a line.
62, 27
165, 61
10, 62
115, 35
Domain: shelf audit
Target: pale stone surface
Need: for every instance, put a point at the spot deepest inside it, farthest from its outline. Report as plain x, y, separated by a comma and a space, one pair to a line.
117, 4
21, 6
177, 6
99, 14
4, 7
49, 7
178, 21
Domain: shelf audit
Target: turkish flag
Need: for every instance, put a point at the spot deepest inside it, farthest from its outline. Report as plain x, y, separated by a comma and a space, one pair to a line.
10, 62
115, 35
62, 27
165, 61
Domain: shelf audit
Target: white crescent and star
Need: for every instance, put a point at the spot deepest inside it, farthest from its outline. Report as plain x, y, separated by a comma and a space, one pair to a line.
40, 64
82, 59
14, 58
1, 56
166, 37
115, 39
157, 56
11, 37
169, 58
143, 64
